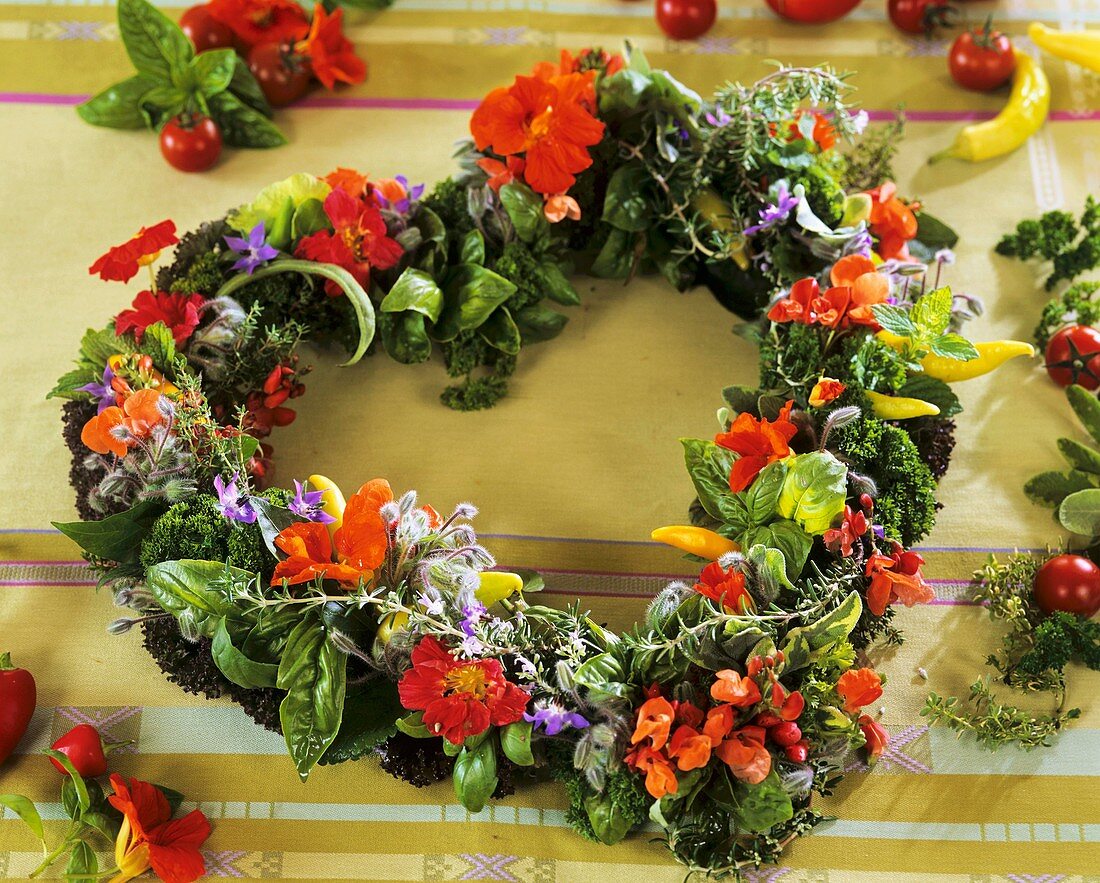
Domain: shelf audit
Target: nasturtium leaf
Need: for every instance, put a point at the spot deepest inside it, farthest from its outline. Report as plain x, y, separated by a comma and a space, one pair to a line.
475, 775
814, 491
1080, 512
314, 674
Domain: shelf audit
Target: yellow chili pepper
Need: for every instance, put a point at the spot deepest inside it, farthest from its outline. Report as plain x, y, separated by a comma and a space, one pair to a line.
331, 499
496, 586
695, 540
718, 216
1022, 117
991, 355
900, 407
1080, 47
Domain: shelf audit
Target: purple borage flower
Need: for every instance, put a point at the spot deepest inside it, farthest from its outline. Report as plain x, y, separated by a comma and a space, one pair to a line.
402, 206
229, 501
254, 251
472, 614
553, 718
719, 118
103, 393
776, 213
308, 504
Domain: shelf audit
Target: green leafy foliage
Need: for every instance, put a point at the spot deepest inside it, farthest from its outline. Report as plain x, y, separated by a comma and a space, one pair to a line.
1072, 247
1077, 305
925, 326
475, 774
117, 537
814, 491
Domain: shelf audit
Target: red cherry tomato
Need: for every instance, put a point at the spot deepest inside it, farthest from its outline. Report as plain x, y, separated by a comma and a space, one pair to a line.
1073, 356
982, 60
812, 12
919, 16
204, 31
190, 143
17, 699
1069, 583
282, 73
84, 747
686, 19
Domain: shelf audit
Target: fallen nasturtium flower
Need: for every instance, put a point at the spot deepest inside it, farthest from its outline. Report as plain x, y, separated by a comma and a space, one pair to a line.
122, 262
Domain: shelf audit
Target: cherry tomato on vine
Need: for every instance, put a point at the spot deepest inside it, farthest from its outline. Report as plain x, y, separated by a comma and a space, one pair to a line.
282, 74
84, 747
190, 142
1068, 583
1073, 356
812, 11
204, 31
686, 19
920, 16
982, 60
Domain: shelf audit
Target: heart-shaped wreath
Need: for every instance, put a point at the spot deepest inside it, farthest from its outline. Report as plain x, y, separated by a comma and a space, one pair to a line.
378, 625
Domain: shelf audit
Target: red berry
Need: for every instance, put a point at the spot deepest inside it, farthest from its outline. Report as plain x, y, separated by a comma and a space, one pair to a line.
785, 734
798, 752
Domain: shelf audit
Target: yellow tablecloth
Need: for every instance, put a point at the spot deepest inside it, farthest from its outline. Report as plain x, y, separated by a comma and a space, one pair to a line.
570, 471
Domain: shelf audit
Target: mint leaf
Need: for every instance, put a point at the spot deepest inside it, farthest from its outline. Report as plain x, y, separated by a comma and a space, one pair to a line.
953, 346
894, 319
932, 312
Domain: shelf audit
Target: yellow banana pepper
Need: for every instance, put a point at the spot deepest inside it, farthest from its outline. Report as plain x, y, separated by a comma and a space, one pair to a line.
718, 216
991, 355
496, 586
899, 407
695, 540
1022, 117
1080, 47
332, 501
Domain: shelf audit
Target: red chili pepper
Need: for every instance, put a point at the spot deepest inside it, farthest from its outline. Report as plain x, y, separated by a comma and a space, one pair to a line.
17, 699
84, 747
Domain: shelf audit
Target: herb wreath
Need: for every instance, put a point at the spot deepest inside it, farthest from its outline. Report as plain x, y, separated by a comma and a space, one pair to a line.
377, 625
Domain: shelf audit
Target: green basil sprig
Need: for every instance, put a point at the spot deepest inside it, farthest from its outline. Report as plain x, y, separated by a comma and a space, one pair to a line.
171, 79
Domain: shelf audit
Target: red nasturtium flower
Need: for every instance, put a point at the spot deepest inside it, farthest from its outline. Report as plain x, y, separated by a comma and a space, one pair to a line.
826, 390
261, 21
896, 577
331, 54
725, 587
501, 173
150, 838
360, 542
546, 120
459, 697
265, 408
122, 262
759, 442
859, 687
358, 242
824, 135
875, 737
892, 221
180, 312
107, 431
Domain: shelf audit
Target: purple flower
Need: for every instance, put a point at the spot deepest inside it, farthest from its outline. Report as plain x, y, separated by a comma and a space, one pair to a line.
308, 504
859, 121
254, 250
472, 614
553, 718
412, 194
102, 392
229, 501
719, 118
777, 212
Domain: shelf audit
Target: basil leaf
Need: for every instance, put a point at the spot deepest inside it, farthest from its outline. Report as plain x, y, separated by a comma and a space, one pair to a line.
404, 337
182, 589
118, 106
475, 775
117, 537
536, 323
787, 537
242, 125
500, 332
84, 801
515, 740
26, 810
556, 285
473, 248
244, 86
155, 44
709, 466
616, 258
626, 206
309, 218
314, 674
609, 823
160, 104
760, 807
106, 825
82, 861
936, 392
762, 496
524, 208
213, 70
70, 799
471, 293
814, 491
369, 717
416, 290
236, 666
413, 725
931, 231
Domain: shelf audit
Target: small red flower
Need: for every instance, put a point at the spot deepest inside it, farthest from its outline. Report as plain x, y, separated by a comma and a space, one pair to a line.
893, 222
501, 173
725, 587
331, 54
875, 737
896, 577
149, 837
261, 21
841, 539
459, 698
180, 312
265, 408
358, 242
824, 135
795, 307
121, 262
759, 442
859, 687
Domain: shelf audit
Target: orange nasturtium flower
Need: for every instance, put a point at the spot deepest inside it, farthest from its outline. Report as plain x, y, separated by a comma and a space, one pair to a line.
150, 838
547, 121
892, 221
746, 757
360, 542
689, 748
868, 287
759, 442
352, 182
121, 262
660, 778
732, 688
826, 390
107, 431
875, 736
859, 687
331, 54
654, 722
